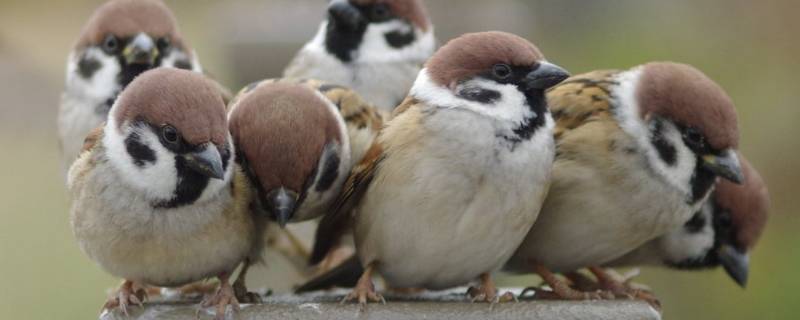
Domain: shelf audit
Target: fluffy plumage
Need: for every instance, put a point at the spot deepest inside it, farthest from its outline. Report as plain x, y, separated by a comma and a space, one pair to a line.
626, 171
425, 215
122, 39
732, 218
375, 47
156, 197
290, 136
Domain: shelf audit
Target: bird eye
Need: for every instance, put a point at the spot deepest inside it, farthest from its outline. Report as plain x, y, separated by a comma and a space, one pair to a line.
163, 43
380, 12
694, 139
501, 71
170, 134
724, 220
110, 44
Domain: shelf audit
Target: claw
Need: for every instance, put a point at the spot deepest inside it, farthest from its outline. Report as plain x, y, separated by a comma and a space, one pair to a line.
125, 296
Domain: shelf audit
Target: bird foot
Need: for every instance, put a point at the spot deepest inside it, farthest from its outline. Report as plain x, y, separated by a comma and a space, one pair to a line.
622, 288
244, 296
364, 292
487, 292
224, 297
126, 295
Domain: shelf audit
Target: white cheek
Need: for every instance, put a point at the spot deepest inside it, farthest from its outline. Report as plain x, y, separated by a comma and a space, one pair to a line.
375, 48
103, 83
176, 55
157, 180
678, 175
509, 110
680, 245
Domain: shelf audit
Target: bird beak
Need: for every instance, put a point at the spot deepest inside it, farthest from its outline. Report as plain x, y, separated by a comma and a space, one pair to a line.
725, 165
736, 263
341, 14
545, 76
282, 204
207, 162
141, 50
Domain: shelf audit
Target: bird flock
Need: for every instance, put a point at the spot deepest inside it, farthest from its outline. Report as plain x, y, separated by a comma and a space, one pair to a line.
378, 154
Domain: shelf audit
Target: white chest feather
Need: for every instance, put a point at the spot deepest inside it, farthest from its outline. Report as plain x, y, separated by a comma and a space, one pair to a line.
448, 207
120, 230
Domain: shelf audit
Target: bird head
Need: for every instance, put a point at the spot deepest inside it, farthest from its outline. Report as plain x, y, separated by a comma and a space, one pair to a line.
292, 142
167, 137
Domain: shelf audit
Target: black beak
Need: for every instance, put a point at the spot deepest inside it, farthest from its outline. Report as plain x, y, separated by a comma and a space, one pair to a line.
736, 263
207, 162
545, 76
141, 50
725, 165
341, 14
282, 203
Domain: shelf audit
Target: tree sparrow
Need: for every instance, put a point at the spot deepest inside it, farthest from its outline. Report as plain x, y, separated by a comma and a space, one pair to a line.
375, 47
465, 160
157, 199
721, 234
294, 141
122, 39
638, 152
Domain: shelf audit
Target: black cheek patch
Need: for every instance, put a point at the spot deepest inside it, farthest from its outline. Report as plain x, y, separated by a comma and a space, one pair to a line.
702, 180
183, 64
87, 67
330, 169
342, 43
398, 39
140, 153
480, 95
666, 151
696, 224
190, 186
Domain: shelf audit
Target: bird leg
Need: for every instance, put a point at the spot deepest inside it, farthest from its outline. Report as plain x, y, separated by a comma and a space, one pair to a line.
608, 282
581, 282
221, 299
487, 291
334, 258
125, 296
365, 290
239, 287
562, 288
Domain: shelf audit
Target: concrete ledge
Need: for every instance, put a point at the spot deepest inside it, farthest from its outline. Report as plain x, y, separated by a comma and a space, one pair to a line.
441, 305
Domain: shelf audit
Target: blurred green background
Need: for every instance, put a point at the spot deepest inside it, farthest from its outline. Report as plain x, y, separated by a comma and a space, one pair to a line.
751, 48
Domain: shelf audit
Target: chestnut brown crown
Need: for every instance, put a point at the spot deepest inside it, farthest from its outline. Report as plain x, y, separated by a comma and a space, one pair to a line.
748, 204
186, 100
410, 10
685, 95
126, 18
474, 53
281, 130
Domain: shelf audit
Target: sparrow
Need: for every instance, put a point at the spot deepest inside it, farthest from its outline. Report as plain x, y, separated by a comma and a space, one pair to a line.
722, 233
122, 39
296, 140
637, 153
375, 47
455, 179
156, 196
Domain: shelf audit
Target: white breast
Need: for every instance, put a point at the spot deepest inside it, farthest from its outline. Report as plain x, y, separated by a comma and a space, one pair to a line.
449, 207
128, 238
589, 219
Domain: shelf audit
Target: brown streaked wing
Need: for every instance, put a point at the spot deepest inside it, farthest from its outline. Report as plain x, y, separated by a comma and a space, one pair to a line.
581, 99
337, 221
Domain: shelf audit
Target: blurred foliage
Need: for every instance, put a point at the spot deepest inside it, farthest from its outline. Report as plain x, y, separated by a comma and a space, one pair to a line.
749, 47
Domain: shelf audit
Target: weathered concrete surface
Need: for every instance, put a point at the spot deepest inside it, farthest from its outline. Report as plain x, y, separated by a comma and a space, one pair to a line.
443, 305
